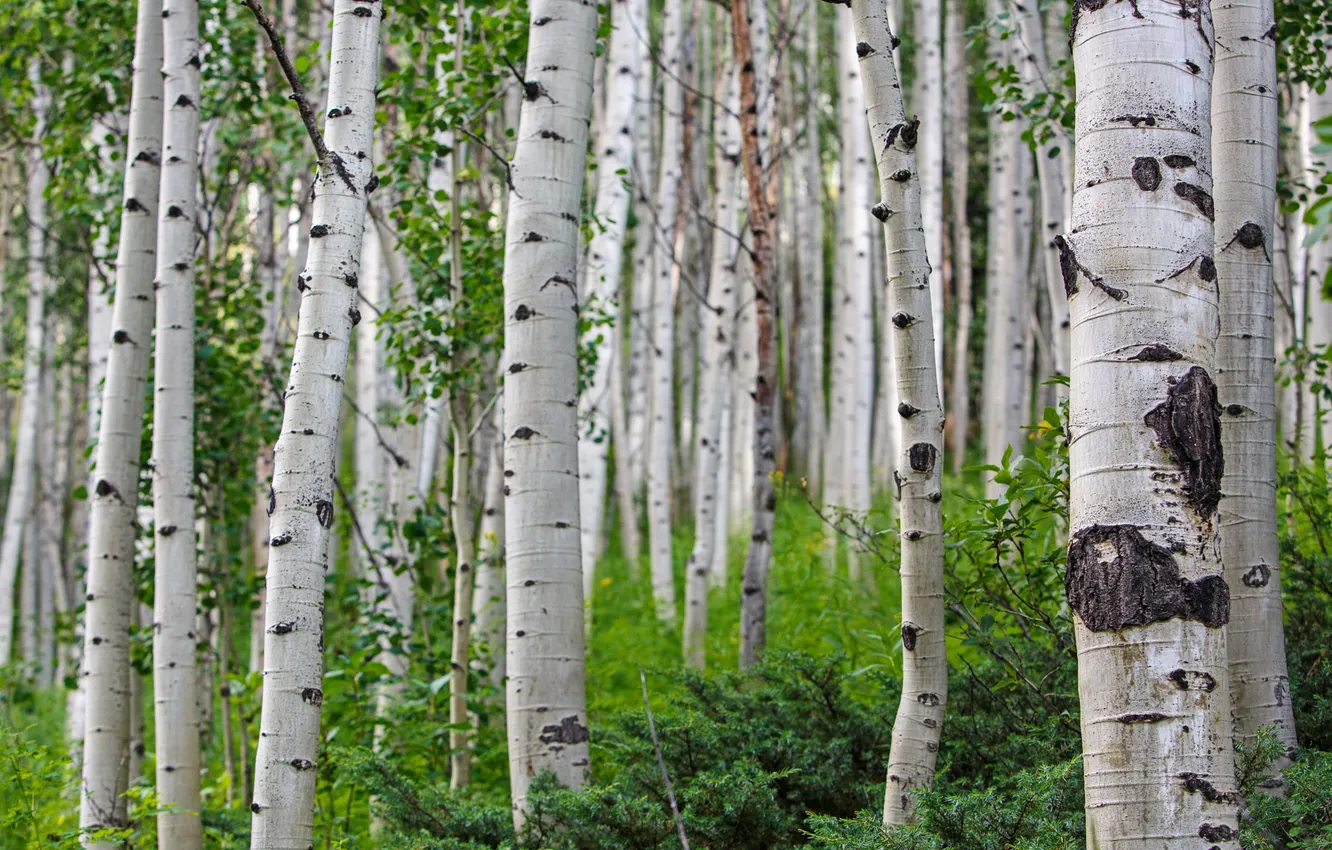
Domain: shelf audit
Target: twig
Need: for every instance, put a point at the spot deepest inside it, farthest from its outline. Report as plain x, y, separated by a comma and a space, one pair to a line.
326, 160
508, 166
379, 435
481, 417
661, 762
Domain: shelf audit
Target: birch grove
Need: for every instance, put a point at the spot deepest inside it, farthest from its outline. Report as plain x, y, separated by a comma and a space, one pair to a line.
548, 417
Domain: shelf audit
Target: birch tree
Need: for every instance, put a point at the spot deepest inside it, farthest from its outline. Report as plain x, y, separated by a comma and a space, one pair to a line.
1244, 110
601, 271
920, 715
114, 495
20, 510
175, 686
304, 459
546, 703
1144, 576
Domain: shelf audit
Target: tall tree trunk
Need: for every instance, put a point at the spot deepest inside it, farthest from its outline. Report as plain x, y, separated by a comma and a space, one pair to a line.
754, 594
488, 595
20, 510
1145, 455
602, 270
1244, 109
175, 688
924, 663
928, 104
807, 437
638, 331
115, 494
305, 458
718, 323
546, 710
661, 429
958, 158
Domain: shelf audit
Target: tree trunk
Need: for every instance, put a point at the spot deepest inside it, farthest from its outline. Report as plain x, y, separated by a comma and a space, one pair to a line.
1245, 194
305, 458
718, 323
924, 664
1145, 450
668, 243
547, 714
174, 679
928, 104
488, 595
958, 158
601, 278
754, 596
112, 515
638, 368
20, 510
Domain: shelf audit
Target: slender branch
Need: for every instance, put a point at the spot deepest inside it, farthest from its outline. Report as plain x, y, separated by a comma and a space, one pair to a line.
508, 167
293, 78
661, 762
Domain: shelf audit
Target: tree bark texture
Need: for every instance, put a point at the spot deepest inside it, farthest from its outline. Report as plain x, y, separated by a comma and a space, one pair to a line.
958, 158
546, 710
1144, 570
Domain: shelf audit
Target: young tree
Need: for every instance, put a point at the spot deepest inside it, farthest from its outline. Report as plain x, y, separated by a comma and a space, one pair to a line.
924, 662
753, 593
174, 680
928, 104
601, 270
956, 147
305, 457
112, 515
546, 706
1144, 574
20, 510
1244, 109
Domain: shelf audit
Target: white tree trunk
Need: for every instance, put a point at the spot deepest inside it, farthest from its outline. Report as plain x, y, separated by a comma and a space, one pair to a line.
718, 323
1314, 317
114, 495
1144, 570
1244, 109
668, 245
928, 104
721, 548
955, 60
20, 510
488, 595
175, 687
924, 663
305, 458
638, 328
547, 713
601, 270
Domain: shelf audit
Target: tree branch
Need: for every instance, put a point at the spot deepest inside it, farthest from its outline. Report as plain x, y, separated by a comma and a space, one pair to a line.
294, 79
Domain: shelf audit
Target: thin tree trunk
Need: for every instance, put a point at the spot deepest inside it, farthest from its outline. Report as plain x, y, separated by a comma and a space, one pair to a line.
601, 271
958, 159
305, 458
488, 595
175, 686
112, 515
721, 548
20, 510
1145, 455
928, 104
718, 322
754, 597
546, 709
920, 715
638, 367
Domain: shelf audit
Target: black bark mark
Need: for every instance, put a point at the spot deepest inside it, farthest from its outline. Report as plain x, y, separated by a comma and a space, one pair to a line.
1220, 832
1195, 679
881, 212
1070, 268
324, 512
313, 696
1147, 173
1158, 353
1179, 160
1117, 578
567, 731
1188, 425
1148, 717
922, 457
1195, 784
1257, 576
909, 633
1197, 196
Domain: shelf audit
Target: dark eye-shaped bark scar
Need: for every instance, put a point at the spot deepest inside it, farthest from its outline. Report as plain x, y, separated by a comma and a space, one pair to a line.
1188, 426
561, 279
1070, 268
1197, 196
1250, 235
1206, 270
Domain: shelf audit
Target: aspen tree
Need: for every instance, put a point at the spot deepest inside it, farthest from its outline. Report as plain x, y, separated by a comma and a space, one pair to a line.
112, 519
546, 705
646, 233
20, 510
1244, 111
601, 270
668, 227
807, 437
488, 595
718, 316
174, 677
928, 104
1144, 572
920, 715
957, 156
304, 459
370, 459
753, 594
